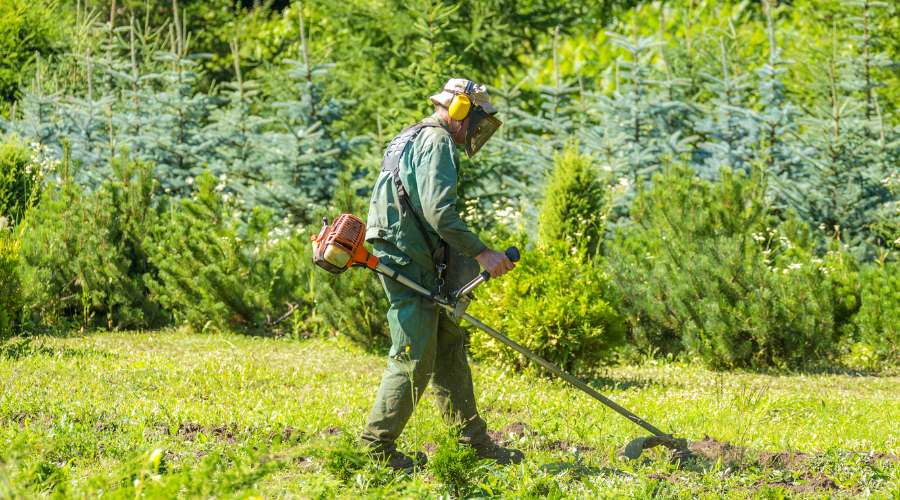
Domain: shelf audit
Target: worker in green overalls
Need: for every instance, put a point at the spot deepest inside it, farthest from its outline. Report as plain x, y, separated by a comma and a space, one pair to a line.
415, 227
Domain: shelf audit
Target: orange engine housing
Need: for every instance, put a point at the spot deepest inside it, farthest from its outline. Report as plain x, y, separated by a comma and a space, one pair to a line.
339, 246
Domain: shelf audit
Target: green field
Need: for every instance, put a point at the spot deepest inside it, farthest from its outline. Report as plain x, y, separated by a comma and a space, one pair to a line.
172, 413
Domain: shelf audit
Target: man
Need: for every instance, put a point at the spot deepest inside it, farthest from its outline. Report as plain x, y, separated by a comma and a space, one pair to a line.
413, 225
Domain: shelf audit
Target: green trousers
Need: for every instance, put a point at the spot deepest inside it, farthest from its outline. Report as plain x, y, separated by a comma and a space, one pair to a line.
426, 345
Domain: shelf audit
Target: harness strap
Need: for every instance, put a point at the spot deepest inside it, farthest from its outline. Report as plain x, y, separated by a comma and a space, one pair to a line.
391, 163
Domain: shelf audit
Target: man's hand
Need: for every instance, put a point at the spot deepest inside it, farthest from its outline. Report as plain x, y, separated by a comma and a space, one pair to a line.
495, 263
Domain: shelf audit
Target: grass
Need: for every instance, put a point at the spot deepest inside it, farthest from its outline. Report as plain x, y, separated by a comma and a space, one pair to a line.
167, 414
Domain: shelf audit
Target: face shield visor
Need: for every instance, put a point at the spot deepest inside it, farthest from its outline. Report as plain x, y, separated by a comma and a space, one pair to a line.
481, 127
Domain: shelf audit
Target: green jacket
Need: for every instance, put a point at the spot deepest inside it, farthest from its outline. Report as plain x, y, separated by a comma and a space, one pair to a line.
428, 169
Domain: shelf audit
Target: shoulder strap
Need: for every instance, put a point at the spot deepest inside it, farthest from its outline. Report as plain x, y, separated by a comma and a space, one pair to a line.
391, 163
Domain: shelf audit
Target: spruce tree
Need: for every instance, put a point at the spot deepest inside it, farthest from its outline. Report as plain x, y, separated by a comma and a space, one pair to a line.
726, 124
850, 155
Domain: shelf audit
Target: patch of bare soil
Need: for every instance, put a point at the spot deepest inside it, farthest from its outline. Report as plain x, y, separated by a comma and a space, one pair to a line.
808, 483
816, 483
223, 433
332, 431
190, 430
714, 450
782, 459
288, 432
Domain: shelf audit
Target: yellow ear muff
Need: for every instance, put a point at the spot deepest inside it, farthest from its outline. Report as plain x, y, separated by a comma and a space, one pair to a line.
459, 107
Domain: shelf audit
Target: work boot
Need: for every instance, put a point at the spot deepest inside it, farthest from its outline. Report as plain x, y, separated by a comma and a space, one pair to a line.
503, 456
399, 461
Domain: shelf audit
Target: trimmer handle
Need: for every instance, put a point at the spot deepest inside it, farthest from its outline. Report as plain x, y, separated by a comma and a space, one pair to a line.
512, 253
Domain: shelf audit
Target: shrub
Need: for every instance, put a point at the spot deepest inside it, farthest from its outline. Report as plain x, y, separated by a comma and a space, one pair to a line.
84, 254
10, 294
556, 303
703, 269
218, 273
878, 320
574, 202
19, 179
27, 28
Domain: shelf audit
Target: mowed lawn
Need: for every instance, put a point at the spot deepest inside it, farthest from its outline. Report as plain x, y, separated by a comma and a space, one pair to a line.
165, 414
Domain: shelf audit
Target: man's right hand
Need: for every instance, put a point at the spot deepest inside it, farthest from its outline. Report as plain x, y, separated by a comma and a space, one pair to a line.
495, 263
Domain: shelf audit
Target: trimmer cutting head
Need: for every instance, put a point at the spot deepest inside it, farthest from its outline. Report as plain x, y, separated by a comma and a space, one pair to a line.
636, 446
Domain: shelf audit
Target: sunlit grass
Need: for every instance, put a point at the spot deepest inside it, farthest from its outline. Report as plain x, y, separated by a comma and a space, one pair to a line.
171, 413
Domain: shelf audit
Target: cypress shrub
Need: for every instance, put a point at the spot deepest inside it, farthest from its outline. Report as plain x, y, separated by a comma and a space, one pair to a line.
558, 301
573, 206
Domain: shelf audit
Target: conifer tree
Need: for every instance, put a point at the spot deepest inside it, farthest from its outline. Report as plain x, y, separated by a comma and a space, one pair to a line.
726, 123
777, 119
850, 156
238, 139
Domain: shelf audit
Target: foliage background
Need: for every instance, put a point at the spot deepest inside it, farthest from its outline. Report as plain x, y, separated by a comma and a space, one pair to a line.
694, 168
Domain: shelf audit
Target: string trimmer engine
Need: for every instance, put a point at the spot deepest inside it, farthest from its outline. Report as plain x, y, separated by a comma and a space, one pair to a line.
339, 246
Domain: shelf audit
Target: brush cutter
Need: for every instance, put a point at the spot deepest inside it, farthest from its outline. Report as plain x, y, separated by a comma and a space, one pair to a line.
339, 246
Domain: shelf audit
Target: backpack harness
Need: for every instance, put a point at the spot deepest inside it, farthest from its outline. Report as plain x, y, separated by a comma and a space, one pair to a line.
391, 163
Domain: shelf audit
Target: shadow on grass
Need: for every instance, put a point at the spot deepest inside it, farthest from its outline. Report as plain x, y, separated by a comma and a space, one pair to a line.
579, 469
622, 384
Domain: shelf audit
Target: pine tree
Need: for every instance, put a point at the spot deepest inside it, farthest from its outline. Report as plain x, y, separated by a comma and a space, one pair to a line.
174, 138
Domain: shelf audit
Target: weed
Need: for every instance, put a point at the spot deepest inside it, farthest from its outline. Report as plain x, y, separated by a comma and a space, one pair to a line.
457, 466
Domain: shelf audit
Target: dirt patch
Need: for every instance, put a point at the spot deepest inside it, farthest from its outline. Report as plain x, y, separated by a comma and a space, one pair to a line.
714, 450
288, 432
732, 455
223, 433
783, 459
808, 483
881, 456
513, 431
566, 446
190, 430
429, 448
818, 482
332, 431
